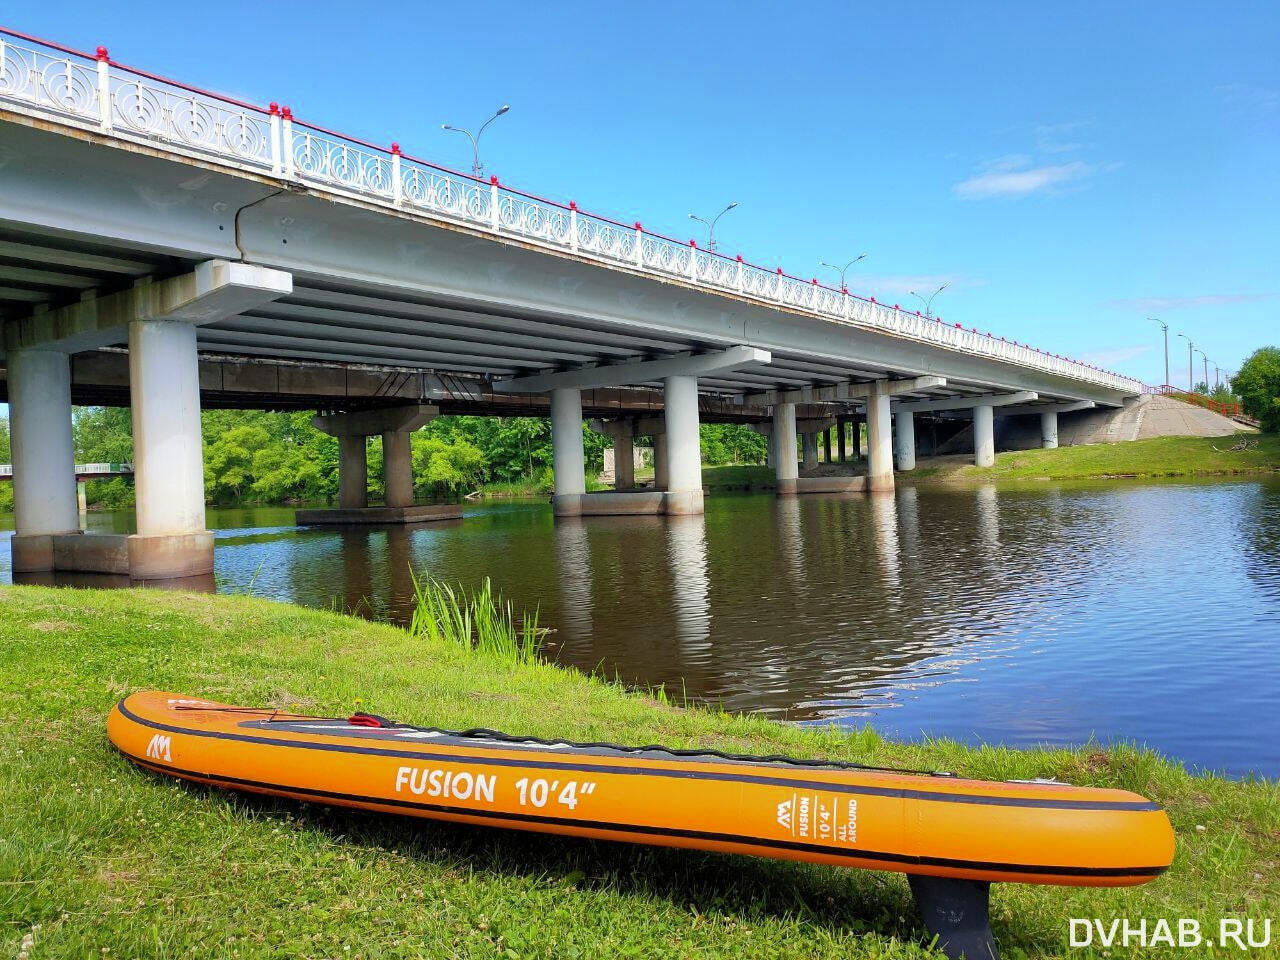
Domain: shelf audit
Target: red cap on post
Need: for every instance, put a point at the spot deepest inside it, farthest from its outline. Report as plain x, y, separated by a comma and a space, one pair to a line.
273, 108
739, 258
638, 227
573, 204
395, 149
693, 244
494, 180
101, 54
286, 112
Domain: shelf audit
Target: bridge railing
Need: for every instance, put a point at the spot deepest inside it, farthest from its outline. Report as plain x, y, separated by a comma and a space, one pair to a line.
95, 91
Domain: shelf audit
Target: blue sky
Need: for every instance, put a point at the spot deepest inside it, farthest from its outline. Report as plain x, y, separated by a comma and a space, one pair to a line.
1070, 169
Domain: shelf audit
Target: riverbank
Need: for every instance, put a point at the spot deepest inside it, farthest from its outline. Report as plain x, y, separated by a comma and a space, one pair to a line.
1244, 453
102, 859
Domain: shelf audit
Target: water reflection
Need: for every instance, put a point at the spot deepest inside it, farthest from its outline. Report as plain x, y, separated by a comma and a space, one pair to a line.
1046, 615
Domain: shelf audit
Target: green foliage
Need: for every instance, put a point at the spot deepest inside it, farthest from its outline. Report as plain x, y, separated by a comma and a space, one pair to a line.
731, 443
1222, 394
443, 466
1258, 386
1202, 388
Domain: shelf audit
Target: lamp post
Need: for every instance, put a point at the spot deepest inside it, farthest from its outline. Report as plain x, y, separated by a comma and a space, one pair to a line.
1205, 358
1191, 348
711, 225
928, 304
1165, 327
842, 270
476, 165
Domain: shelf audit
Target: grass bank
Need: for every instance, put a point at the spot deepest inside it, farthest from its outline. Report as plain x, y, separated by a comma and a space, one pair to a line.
1158, 457
99, 859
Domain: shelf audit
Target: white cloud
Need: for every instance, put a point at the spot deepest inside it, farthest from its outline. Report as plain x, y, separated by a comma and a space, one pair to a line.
1015, 176
1159, 304
1118, 355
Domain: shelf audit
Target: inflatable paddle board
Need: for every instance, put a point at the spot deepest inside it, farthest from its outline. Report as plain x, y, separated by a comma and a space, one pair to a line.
953, 837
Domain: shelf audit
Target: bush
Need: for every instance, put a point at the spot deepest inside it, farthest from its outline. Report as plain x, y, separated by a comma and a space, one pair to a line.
1258, 387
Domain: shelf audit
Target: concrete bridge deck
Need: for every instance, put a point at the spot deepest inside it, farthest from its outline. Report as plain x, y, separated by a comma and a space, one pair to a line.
141, 215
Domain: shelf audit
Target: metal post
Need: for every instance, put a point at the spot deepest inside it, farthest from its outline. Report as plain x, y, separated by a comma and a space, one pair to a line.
286, 140
573, 226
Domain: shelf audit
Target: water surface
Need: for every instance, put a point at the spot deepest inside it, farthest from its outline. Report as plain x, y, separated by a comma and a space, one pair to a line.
1050, 615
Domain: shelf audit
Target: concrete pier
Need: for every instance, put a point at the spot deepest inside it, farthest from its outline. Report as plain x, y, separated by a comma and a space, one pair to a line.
786, 468
842, 428
624, 462
353, 471
879, 439
1049, 430
44, 465
168, 457
567, 458
984, 437
810, 447
904, 447
684, 454
660, 474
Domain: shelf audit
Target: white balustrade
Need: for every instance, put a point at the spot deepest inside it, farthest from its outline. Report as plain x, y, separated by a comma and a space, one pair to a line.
133, 105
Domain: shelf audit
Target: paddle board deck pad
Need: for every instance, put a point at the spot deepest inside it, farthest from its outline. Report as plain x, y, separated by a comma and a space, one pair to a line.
952, 836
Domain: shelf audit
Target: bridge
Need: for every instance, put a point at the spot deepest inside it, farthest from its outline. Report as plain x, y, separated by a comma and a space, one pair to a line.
164, 232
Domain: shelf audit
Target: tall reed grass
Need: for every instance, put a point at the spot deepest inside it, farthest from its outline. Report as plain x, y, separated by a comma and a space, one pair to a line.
479, 620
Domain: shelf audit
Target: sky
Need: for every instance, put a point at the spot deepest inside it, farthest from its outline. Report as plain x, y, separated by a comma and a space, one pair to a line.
1069, 169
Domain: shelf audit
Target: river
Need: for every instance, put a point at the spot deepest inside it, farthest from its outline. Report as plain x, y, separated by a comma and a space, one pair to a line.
1050, 615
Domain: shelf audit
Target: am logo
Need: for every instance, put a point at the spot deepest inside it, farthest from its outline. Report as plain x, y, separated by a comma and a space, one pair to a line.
159, 748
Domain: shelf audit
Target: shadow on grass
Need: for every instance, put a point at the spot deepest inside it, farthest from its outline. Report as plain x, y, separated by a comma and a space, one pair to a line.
843, 902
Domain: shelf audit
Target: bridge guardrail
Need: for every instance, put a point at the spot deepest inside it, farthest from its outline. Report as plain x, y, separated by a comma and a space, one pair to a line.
1200, 400
96, 91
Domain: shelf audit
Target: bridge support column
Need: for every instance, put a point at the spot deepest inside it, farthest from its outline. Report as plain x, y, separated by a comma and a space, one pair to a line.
168, 458
567, 458
1049, 430
624, 462
397, 468
44, 466
810, 442
786, 469
842, 428
879, 439
684, 449
904, 452
826, 444
984, 435
353, 471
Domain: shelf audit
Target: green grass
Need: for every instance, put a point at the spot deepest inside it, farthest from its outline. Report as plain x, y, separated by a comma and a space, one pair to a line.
475, 620
99, 859
1158, 457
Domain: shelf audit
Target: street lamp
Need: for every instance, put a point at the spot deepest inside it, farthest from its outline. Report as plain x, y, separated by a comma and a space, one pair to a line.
1191, 386
928, 304
476, 165
842, 270
1165, 327
711, 225
1205, 357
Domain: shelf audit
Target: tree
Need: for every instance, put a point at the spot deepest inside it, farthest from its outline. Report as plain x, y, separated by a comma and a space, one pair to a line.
1201, 388
1258, 386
